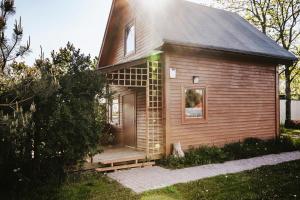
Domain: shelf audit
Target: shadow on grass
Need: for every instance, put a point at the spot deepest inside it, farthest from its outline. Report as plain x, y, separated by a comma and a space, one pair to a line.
280, 182
83, 187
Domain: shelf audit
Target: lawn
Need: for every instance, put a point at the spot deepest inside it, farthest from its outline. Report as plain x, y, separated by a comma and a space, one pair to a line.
270, 182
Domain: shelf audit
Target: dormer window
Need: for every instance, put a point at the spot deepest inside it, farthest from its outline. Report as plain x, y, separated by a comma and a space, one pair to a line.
130, 39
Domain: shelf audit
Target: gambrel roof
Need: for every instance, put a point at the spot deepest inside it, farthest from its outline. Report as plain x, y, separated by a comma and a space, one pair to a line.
191, 24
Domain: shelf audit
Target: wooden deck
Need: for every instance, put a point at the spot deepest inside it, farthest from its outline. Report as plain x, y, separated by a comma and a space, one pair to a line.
119, 155
120, 158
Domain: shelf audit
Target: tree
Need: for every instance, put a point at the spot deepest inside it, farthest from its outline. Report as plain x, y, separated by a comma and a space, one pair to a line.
10, 49
60, 125
67, 118
280, 20
50, 116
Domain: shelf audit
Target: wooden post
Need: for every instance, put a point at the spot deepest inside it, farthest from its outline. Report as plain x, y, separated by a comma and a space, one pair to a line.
147, 111
277, 100
166, 100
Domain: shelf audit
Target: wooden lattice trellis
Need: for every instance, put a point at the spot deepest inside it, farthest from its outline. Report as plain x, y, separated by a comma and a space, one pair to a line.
155, 108
131, 77
150, 77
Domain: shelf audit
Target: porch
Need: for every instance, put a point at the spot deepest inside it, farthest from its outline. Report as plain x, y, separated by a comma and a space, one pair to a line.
138, 88
121, 154
117, 158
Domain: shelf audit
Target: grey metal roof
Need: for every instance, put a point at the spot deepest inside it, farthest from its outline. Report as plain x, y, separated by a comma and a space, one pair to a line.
179, 21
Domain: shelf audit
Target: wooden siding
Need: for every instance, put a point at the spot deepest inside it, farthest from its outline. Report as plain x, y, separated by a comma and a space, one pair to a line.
125, 12
241, 100
120, 91
141, 118
140, 112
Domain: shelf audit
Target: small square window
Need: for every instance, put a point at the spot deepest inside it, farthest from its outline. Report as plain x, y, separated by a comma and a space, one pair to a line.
130, 39
194, 105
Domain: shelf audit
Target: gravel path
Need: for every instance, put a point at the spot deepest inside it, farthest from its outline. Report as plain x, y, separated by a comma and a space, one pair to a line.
144, 179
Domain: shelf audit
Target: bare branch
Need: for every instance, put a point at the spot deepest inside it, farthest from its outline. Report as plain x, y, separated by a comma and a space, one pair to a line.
297, 74
18, 102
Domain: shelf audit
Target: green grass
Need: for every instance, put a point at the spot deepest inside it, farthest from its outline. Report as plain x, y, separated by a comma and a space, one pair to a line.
280, 182
89, 186
271, 182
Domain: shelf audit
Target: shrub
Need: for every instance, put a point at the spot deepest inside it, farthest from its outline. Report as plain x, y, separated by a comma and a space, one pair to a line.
250, 147
205, 155
108, 137
283, 144
297, 144
293, 124
173, 162
64, 126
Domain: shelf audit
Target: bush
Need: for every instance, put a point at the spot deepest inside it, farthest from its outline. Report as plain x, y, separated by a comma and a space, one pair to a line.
57, 128
67, 119
108, 137
197, 156
293, 124
250, 147
205, 155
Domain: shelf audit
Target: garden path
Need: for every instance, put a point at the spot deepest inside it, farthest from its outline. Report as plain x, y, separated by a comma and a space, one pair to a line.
149, 178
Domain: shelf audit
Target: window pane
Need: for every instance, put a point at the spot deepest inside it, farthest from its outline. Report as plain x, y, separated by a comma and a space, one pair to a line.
115, 111
130, 39
194, 103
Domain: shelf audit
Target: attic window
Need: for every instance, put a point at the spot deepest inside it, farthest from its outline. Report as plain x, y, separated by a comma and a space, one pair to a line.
129, 39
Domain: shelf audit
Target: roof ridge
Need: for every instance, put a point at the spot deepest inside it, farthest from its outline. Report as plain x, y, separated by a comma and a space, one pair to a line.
207, 6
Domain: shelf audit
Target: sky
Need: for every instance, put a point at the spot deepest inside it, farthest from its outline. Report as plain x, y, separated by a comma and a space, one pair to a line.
52, 23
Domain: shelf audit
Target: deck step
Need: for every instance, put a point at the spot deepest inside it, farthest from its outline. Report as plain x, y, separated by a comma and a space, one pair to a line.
122, 159
126, 166
118, 155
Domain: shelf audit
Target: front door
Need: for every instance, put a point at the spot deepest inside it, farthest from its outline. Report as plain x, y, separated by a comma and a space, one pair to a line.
129, 120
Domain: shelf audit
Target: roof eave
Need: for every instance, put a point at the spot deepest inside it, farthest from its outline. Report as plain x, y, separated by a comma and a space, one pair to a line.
123, 65
106, 31
279, 59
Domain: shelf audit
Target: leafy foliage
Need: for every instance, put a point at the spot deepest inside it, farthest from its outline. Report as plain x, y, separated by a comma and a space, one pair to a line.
109, 135
60, 122
251, 147
293, 124
50, 114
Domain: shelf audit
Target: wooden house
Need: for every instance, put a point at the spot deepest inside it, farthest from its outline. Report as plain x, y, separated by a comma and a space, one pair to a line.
187, 73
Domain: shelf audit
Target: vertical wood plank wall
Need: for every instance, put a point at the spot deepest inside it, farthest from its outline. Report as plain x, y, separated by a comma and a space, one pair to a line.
141, 118
146, 40
240, 103
140, 112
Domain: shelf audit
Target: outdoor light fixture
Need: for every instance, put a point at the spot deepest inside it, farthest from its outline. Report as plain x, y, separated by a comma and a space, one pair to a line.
172, 73
196, 79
